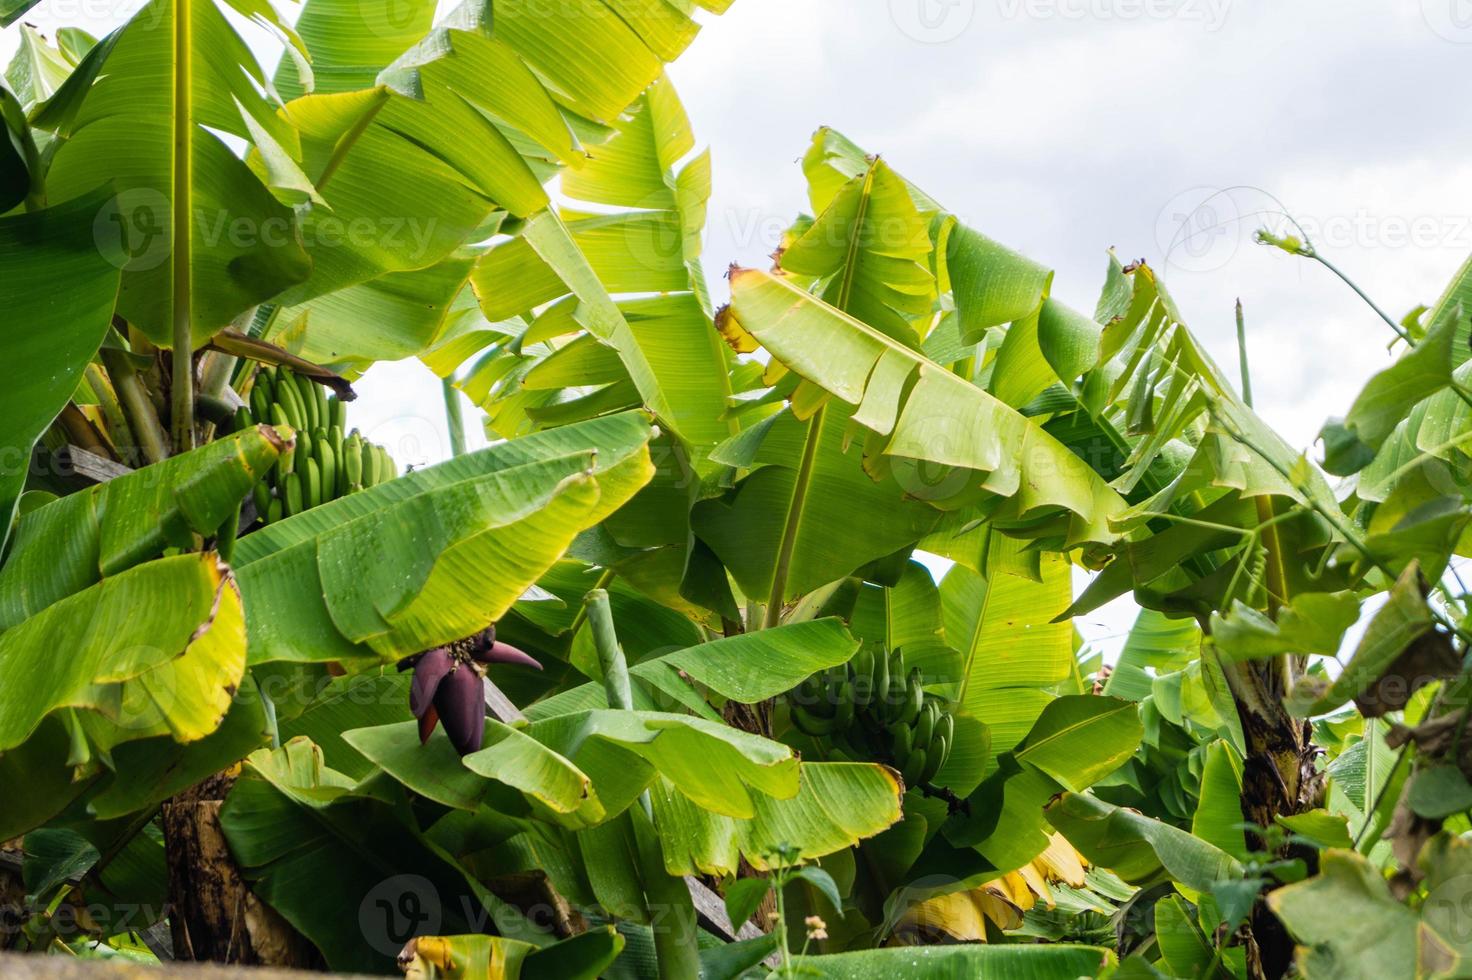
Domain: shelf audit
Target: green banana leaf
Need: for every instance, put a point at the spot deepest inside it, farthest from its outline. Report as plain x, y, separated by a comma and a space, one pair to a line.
344, 869
39, 66
437, 554
919, 412
747, 528
837, 805
1328, 913
1013, 652
1060, 961
748, 667
58, 292
1155, 643
198, 237
74, 542
1080, 739
148, 668
869, 250
1137, 848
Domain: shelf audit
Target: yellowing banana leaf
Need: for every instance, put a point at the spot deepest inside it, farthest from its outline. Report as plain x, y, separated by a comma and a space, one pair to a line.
837, 805
665, 344
437, 554
58, 291
1060, 961
199, 238
921, 413
147, 667
481, 957
71, 543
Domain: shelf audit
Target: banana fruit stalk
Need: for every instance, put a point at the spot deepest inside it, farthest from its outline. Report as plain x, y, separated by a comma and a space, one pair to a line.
875, 709
326, 463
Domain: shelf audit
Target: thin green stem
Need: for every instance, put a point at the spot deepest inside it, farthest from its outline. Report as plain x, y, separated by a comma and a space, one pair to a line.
1400, 331
454, 417
182, 180
1242, 356
611, 659
793, 521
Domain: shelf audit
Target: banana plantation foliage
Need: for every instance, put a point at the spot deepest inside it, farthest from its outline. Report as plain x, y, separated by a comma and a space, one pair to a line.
655, 685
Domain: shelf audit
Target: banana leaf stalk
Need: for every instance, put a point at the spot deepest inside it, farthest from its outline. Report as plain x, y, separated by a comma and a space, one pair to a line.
675, 946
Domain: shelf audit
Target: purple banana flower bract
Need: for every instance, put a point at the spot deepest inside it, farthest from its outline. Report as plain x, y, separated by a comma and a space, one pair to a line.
449, 686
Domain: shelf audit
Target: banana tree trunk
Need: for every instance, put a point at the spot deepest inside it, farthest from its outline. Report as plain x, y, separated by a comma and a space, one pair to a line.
213, 915
1279, 778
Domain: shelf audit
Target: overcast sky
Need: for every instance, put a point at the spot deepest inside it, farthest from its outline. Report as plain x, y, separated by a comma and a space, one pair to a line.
1065, 127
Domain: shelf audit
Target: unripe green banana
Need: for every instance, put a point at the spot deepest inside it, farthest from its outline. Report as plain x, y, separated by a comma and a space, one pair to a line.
914, 697
260, 398
372, 465
303, 444
242, 421
276, 511
901, 742
945, 729
293, 488
225, 537
291, 403
324, 414
262, 493
913, 769
327, 462
810, 724
844, 710
925, 724
338, 415
312, 484
863, 673
353, 462
935, 759
881, 683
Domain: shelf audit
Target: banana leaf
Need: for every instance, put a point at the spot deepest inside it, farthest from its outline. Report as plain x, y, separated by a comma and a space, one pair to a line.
1060, 961
74, 542
919, 412
198, 237
58, 291
347, 870
144, 667
837, 805
435, 555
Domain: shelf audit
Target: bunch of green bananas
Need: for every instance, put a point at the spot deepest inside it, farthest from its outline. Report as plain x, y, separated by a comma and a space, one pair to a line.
325, 464
873, 709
